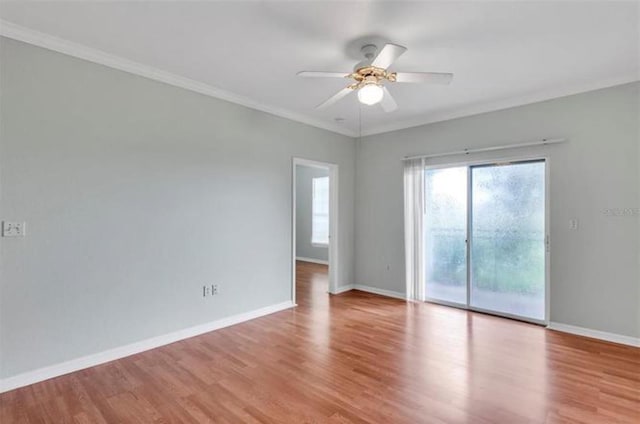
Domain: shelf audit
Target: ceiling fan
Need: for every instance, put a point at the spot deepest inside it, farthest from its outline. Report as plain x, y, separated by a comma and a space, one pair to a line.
370, 74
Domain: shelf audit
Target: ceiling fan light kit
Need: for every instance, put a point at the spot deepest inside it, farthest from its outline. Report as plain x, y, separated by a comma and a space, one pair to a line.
370, 94
370, 74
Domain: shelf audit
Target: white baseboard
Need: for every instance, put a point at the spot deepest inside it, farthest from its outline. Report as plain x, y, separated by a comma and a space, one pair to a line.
565, 328
369, 289
312, 260
595, 334
67, 367
343, 289
381, 292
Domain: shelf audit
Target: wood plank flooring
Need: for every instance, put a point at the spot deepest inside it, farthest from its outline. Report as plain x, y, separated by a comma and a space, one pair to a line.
351, 358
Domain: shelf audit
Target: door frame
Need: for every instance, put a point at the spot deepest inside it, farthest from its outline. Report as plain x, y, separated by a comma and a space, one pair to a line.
333, 221
547, 227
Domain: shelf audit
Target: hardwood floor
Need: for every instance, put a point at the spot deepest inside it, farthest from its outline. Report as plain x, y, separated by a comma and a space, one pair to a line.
351, 358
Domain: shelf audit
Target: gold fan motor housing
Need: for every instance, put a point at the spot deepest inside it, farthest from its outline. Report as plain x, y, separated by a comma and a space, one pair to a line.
370, 75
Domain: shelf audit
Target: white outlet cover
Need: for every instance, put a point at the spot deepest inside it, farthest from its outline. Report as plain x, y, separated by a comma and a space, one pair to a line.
13, 229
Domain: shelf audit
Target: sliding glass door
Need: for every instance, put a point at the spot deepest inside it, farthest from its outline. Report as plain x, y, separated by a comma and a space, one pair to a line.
484, 242
445, 224
508, 239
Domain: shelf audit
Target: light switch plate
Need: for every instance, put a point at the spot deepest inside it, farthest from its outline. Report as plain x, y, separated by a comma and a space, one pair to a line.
573, 224
13, 229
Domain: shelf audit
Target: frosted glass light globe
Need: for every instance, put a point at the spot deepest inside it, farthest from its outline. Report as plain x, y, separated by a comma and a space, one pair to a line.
370, 94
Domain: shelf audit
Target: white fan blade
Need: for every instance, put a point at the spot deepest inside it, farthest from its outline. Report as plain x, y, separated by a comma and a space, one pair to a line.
428, 77
388, 55
320, 74
388, 103
331, 100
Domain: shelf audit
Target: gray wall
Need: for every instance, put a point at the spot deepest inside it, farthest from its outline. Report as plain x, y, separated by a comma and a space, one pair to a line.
594, 270
304, 248
135, 194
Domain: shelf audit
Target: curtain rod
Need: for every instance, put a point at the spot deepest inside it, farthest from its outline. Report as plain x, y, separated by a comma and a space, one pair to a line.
542, 142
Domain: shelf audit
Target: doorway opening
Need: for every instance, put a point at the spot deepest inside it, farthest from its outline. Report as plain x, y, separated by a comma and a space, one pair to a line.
314, 228
485, 238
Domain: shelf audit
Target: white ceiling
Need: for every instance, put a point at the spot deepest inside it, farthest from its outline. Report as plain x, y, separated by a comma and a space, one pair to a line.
502, 53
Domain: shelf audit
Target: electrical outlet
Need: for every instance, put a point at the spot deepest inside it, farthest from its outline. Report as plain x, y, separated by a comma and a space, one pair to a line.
209, 290
206, 291
13, 229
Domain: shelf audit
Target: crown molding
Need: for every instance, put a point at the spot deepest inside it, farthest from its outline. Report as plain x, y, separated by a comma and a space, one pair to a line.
50, 42
508, 103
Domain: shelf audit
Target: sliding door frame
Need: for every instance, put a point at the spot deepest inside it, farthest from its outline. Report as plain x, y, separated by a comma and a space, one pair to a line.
547, 262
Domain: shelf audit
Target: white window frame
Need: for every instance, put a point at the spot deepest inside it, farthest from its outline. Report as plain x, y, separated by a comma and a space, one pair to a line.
315, 180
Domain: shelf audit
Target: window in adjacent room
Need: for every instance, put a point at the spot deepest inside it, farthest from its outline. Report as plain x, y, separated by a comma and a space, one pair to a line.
320, 211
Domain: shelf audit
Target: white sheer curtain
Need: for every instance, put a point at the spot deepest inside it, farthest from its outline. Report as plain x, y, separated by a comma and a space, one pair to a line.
413, 233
